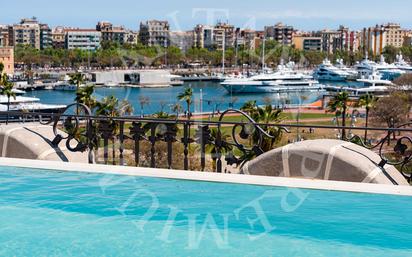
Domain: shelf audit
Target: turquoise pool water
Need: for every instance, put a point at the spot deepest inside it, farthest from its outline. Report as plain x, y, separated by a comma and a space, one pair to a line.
49, 213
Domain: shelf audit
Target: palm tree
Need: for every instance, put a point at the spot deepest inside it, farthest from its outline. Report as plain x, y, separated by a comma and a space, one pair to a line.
177, 108
77, 79
187, 97
108, 107
367, 101
339, 105
303, 98
125, 108
143, 100
249, 107
7, 90
85, 96
268, 115
211, 146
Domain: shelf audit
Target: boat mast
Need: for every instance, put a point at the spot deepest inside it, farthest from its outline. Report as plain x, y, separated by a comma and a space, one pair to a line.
263, 54
223, 54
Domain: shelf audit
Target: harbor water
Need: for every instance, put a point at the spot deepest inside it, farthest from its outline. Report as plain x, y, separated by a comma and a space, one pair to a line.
207, 97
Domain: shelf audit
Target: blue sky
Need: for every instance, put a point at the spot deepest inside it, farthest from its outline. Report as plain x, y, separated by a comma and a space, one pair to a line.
184, 14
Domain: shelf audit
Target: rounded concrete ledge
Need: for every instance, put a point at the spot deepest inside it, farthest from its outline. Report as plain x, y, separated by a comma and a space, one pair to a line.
34, 141
326, 160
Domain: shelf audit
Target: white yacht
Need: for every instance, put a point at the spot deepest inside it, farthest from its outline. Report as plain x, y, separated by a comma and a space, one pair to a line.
353, 74
29, 104
285, 79
375, 79
328, 72
401, 64
388, 71
373, 84
64, 86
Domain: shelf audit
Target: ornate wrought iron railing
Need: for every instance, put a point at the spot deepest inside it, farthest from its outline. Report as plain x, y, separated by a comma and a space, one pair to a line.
134, 140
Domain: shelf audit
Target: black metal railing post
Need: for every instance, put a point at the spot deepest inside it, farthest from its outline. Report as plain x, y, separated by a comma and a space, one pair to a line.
121, 142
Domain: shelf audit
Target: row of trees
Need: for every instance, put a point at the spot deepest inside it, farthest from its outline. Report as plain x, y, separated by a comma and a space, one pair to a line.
115, 55
392, 110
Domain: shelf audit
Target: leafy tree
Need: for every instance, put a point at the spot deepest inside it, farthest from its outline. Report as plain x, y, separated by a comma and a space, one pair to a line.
404, 80
391, 110
390, 53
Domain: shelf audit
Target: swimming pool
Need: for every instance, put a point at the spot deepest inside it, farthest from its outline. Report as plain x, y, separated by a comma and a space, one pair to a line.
63, 213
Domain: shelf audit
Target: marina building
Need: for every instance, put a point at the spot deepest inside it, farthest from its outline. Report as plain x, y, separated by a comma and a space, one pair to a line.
140, 78
27, 32
111, 33
155, 33
281, 33
7, 58
84, 39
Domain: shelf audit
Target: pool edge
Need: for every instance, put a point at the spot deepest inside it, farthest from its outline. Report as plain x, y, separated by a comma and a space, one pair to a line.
211, 177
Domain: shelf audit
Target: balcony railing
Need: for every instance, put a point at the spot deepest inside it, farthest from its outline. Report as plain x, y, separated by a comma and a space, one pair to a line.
202, 144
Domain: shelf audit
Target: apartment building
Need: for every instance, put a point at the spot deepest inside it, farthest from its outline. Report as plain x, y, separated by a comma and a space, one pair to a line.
331, 41
215, 37
281, 33
7, 58
155, 33
307, 42
4, 36
84, 39
27, 32
131, 37
58, 37
224, 34
46, 39
112, 33
375, 39
184, 40
203, 36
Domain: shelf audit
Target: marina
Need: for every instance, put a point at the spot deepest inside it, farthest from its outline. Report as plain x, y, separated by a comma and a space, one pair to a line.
282, 87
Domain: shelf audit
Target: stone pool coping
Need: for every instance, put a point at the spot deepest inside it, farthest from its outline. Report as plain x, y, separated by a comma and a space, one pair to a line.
210, 177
